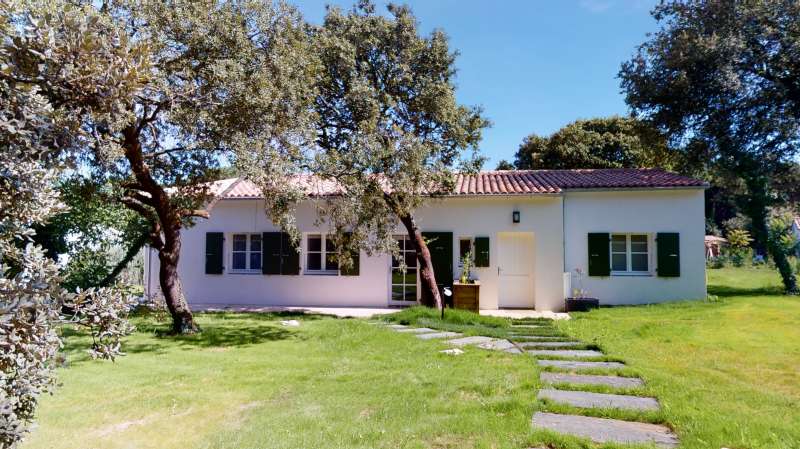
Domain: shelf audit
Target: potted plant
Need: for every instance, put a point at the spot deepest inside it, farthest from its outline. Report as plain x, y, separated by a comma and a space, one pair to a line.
466, 291
580, 301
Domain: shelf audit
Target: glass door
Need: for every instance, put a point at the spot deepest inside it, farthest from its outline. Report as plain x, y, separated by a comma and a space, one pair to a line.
404, 283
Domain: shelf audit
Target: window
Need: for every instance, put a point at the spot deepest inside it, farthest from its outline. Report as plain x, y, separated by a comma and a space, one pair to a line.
404, 284
246, 252
630, 253
321, 254
464, 247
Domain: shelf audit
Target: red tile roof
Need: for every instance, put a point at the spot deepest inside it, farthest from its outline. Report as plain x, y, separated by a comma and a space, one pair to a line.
514, 182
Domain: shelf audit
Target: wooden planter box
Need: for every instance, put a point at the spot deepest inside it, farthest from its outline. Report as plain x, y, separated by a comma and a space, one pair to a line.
466, 296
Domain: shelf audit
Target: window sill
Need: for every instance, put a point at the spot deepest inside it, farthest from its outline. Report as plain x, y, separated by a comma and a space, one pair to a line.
320, 273
244, 272
631, 274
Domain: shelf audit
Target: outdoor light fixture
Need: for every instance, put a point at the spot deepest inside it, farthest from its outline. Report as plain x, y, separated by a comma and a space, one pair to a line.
515, 216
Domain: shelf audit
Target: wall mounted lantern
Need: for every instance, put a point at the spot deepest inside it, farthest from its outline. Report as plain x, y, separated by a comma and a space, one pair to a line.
515, 216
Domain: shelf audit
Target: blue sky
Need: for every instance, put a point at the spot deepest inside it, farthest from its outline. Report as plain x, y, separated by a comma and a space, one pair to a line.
534, 65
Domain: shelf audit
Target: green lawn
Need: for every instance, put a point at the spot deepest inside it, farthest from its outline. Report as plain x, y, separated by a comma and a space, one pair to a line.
727, 373
248, 382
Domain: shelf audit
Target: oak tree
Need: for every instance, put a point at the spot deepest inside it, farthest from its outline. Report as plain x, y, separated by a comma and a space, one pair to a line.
389, 129
607, 142
722, 80
164, 93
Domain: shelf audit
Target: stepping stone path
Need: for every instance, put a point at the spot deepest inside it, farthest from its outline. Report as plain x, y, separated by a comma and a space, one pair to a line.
566, 352
598, 430
433, 335
416, 330
603, 430
549, 344
587, 379
564, 373
585, 399
570, 365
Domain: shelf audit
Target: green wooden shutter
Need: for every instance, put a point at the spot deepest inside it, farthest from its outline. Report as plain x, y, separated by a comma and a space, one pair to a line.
668, 254
355, 255
441, 248
599, 254
290, 256
481, 251
214, 241
271, 253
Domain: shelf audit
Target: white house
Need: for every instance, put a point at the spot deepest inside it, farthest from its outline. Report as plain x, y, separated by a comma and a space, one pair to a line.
636, 235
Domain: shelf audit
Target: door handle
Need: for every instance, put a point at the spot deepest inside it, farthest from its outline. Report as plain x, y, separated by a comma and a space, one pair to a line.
498, 270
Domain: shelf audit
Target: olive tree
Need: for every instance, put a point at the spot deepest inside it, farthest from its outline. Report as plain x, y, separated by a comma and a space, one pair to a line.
32, 304
389, 130
164, 93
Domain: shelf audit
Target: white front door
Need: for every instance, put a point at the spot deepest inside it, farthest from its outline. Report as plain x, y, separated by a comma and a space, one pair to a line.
515, 269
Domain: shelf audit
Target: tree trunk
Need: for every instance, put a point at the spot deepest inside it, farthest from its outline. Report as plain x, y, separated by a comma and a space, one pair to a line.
430, 291
165, 220
168, 256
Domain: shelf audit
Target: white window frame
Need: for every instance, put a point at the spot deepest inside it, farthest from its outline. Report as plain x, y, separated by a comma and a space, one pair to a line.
391, 273
247, 252
628, 252
323, 252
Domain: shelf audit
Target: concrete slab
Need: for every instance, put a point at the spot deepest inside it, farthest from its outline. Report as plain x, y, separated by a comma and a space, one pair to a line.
528, 326
577, 365
434, 335
416, 330
549, 344
566, 352
533, 337
588, 379
603, 430
497, 345
470, 341
586, 399
397, 326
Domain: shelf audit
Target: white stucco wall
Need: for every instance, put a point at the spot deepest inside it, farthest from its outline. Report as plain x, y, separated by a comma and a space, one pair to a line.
542, 216
464, 217
649, 212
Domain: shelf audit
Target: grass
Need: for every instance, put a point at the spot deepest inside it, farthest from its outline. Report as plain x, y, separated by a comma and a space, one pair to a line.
725, 371
248, 382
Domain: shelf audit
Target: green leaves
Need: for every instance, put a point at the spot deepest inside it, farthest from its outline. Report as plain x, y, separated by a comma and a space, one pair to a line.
610, 142
388, 127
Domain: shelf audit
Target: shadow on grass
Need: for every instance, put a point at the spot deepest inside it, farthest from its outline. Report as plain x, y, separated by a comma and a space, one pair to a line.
725, 291
219, 330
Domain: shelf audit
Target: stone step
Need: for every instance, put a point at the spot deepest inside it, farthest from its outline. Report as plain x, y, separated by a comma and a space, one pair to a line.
499, 345
603, 430
434, 335
588, 379
578, 365
566, 352
585, 399
549, 344
397, 326
529, 326
534, 337
475, 340
416, 330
